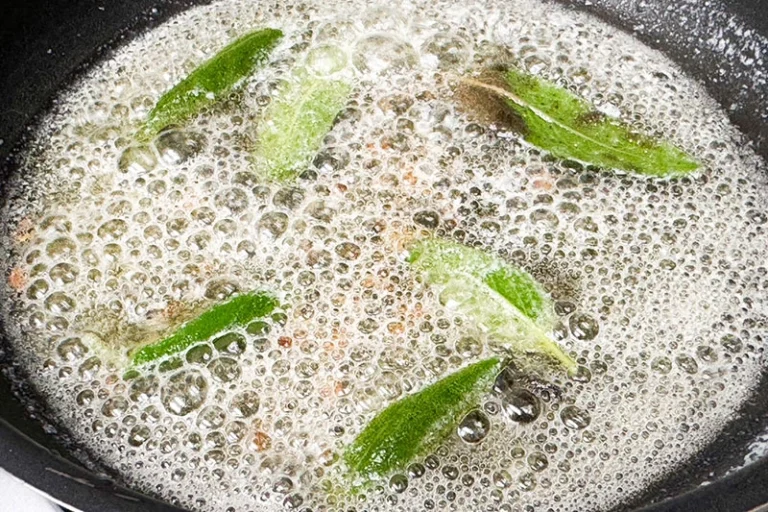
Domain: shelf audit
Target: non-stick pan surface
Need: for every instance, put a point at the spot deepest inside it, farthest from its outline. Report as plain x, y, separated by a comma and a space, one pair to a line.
45, 44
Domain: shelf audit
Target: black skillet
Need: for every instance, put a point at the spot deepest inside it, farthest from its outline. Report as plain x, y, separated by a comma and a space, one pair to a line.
44, 44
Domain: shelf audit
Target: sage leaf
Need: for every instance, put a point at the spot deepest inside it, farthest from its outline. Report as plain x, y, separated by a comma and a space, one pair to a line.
503, 300
417, 423
211, 80
294, 124
237, 311
553, 119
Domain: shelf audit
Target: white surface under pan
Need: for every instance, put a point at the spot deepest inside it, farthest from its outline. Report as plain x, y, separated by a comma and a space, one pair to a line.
16, 496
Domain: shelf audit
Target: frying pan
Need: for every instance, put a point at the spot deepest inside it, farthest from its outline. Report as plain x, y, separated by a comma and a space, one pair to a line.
45, 44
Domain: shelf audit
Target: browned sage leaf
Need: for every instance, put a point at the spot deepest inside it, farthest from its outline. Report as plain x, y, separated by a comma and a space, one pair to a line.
555, 120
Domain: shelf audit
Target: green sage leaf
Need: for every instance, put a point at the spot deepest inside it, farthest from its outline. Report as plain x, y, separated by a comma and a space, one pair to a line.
237, 311
417, 423
503, 300
211, 80
553, 119
294, 124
